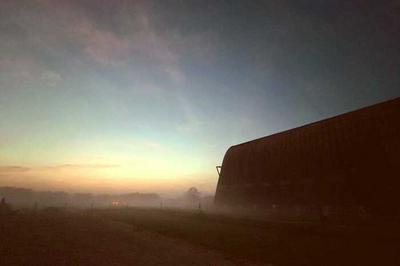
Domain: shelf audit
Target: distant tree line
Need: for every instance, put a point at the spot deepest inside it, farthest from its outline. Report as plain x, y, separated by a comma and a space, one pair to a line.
22, 197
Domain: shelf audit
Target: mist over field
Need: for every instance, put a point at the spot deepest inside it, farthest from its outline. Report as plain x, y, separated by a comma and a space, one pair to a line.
22, 198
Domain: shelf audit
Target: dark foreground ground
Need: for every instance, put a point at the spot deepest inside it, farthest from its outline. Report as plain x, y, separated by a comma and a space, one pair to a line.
167, 237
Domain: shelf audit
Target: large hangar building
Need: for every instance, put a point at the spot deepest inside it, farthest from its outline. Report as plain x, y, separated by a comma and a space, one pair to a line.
348, 160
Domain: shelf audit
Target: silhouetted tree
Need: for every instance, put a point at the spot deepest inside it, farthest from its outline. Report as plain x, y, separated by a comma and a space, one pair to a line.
192, 196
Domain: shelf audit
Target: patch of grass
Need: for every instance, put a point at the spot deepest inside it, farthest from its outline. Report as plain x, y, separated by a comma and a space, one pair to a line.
249, 240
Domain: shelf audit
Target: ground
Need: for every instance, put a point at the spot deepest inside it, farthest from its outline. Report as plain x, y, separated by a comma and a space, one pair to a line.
131, 236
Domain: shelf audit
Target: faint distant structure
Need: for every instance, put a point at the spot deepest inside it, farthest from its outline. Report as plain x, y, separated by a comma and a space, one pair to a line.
116, 203
192, 196
4, 207
341, 164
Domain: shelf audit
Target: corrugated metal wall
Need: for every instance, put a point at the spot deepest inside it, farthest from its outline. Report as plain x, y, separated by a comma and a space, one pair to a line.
352, 159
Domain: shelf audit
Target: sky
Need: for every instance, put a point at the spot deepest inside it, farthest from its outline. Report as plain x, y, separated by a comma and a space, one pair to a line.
122, 96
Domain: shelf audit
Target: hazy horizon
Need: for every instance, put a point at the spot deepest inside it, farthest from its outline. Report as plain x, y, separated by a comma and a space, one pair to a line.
146, 96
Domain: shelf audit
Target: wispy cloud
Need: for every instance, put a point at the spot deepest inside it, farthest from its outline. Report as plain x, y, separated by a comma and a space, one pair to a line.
79, 36
193, 121
103, 46
79, 166
140, 43
13, 169
152, 145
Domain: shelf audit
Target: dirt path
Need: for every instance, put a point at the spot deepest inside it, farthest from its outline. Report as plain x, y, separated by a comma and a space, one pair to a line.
157, 249
84, 240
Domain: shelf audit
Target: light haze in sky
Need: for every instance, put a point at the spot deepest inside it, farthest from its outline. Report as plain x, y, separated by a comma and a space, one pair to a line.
120, 96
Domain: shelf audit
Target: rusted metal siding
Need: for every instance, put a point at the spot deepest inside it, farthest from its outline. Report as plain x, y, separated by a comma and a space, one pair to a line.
351, 159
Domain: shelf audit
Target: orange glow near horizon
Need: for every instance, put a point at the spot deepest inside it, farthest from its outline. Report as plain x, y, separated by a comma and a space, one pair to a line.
139, 167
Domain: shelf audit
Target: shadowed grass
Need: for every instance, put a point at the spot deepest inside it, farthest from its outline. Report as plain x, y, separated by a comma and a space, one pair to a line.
249, 240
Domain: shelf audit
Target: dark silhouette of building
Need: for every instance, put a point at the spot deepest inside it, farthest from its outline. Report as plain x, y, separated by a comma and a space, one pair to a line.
351, 160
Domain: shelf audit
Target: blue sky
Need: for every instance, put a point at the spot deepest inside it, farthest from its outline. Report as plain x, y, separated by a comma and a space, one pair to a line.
148, 95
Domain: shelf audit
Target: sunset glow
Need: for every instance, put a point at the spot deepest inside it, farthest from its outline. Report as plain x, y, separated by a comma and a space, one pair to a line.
147, 96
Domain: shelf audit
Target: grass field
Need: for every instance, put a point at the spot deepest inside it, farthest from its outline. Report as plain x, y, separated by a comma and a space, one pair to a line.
134, 236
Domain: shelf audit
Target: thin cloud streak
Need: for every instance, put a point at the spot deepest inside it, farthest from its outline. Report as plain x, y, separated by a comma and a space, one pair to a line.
80, 166
13, 169
18, 169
